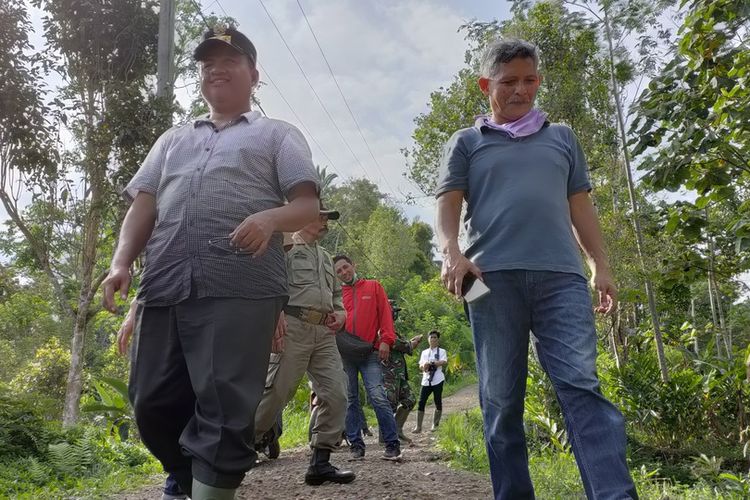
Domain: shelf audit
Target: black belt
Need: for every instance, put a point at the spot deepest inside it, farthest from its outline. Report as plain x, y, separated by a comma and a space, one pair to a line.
307, 315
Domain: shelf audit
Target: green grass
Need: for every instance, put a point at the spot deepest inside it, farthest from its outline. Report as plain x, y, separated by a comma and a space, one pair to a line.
455, 384
555, 474
297, 415
296, 423
20, 481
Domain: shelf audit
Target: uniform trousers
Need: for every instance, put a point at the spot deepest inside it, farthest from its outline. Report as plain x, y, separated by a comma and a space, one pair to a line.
197, 375
312, 349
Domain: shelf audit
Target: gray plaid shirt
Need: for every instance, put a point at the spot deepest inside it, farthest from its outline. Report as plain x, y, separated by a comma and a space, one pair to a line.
206, 182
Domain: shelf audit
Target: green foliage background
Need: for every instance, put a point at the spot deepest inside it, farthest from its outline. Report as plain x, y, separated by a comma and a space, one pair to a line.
689, 134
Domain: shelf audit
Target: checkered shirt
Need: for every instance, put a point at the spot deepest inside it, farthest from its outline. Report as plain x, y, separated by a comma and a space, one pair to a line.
206, 182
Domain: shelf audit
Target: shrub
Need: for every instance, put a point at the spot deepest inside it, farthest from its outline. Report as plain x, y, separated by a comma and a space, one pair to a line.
700, 402
23, 431
45, 375
462, 437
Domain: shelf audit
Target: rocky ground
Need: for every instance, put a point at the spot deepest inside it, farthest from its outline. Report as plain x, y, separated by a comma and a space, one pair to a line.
422, 474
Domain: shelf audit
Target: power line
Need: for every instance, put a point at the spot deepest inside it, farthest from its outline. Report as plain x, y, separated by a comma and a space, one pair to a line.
350, 238
200, 13
356, 244
302, 124
346, 102
320, 101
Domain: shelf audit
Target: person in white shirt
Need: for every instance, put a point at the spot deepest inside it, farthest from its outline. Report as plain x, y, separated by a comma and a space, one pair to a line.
431, 363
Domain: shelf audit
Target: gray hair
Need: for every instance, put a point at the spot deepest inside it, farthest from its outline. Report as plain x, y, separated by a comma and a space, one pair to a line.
504, 51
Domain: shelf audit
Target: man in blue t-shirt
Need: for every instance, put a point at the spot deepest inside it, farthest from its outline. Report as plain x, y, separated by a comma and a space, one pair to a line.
526, 185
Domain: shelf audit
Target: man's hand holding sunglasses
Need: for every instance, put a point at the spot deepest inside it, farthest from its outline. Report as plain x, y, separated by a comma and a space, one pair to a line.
254, 233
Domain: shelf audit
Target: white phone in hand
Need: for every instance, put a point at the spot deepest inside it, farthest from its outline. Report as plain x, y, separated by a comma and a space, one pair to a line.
473, 288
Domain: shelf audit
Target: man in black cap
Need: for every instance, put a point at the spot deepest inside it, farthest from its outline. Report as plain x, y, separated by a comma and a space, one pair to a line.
305, 343
208, 207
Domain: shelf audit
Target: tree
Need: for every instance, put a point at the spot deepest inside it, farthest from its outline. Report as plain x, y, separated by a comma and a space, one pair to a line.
107, 58
27, 140
616, 21
423, 264
386, 248
325, 178
692, 129
377, 236
575, 91
450, 109
356, 200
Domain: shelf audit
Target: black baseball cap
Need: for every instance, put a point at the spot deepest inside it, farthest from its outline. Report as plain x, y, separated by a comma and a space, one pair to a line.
228, 36
332, 214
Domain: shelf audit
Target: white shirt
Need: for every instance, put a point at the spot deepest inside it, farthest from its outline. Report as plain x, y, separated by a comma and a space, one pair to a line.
430, 354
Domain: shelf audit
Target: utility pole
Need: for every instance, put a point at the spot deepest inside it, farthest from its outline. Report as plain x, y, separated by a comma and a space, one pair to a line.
165, 64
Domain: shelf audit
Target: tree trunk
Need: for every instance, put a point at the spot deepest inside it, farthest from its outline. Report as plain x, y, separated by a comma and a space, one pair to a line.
717, 311
613, 333
696, 345
95, 163
720, 311
634, 207
714, 318
722, 333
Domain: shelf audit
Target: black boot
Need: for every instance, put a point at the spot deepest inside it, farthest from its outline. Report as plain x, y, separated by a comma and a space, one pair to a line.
321, 470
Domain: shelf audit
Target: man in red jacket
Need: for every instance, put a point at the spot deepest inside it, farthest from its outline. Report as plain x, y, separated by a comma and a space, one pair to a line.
367, 314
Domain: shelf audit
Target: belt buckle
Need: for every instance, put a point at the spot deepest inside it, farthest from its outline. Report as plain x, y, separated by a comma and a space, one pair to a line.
314, 317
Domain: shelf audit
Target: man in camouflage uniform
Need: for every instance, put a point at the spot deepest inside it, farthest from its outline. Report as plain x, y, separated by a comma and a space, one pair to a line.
396, 378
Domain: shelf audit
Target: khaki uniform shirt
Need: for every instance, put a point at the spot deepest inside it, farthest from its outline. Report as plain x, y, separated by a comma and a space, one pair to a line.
312, 281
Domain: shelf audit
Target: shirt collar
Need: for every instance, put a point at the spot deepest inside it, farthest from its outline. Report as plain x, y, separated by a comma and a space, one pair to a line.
249, 117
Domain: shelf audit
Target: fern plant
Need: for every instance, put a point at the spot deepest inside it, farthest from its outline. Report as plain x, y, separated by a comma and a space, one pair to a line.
35, 471
73, 459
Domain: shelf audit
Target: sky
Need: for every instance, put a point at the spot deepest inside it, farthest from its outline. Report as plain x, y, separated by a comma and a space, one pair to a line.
387, 57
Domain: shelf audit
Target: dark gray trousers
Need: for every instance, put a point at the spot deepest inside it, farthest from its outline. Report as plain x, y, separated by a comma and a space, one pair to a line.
197, 375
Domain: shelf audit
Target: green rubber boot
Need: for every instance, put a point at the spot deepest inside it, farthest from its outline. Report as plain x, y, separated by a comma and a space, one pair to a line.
420, 419
205, 492
401, 415
436, 420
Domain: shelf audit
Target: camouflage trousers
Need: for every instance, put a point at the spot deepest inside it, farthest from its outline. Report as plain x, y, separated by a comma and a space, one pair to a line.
398, 391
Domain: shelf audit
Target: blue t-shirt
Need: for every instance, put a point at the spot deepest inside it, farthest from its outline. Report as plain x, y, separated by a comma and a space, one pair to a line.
517, 192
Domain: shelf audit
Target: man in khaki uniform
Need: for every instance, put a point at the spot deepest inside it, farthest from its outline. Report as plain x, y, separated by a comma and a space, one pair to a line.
306, 342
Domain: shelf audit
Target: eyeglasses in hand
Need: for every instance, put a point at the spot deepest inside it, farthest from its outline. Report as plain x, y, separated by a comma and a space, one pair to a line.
222, 245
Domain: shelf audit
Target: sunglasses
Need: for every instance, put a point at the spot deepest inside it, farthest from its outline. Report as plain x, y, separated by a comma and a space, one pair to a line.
223, 246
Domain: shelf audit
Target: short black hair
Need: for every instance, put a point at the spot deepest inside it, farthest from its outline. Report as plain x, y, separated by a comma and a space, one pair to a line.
435, 333
342, 257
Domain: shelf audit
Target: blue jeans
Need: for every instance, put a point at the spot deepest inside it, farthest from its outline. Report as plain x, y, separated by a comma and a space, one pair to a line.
372, 376
557, 308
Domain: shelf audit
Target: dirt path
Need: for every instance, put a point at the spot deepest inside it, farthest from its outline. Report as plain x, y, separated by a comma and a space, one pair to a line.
423, 473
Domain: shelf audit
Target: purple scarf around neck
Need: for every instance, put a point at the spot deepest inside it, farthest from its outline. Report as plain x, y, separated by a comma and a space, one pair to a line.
528, 124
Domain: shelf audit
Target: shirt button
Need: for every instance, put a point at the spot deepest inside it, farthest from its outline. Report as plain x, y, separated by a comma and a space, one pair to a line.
208, 149
192, 194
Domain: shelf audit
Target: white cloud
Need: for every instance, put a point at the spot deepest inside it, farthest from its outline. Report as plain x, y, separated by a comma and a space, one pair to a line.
387, 57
